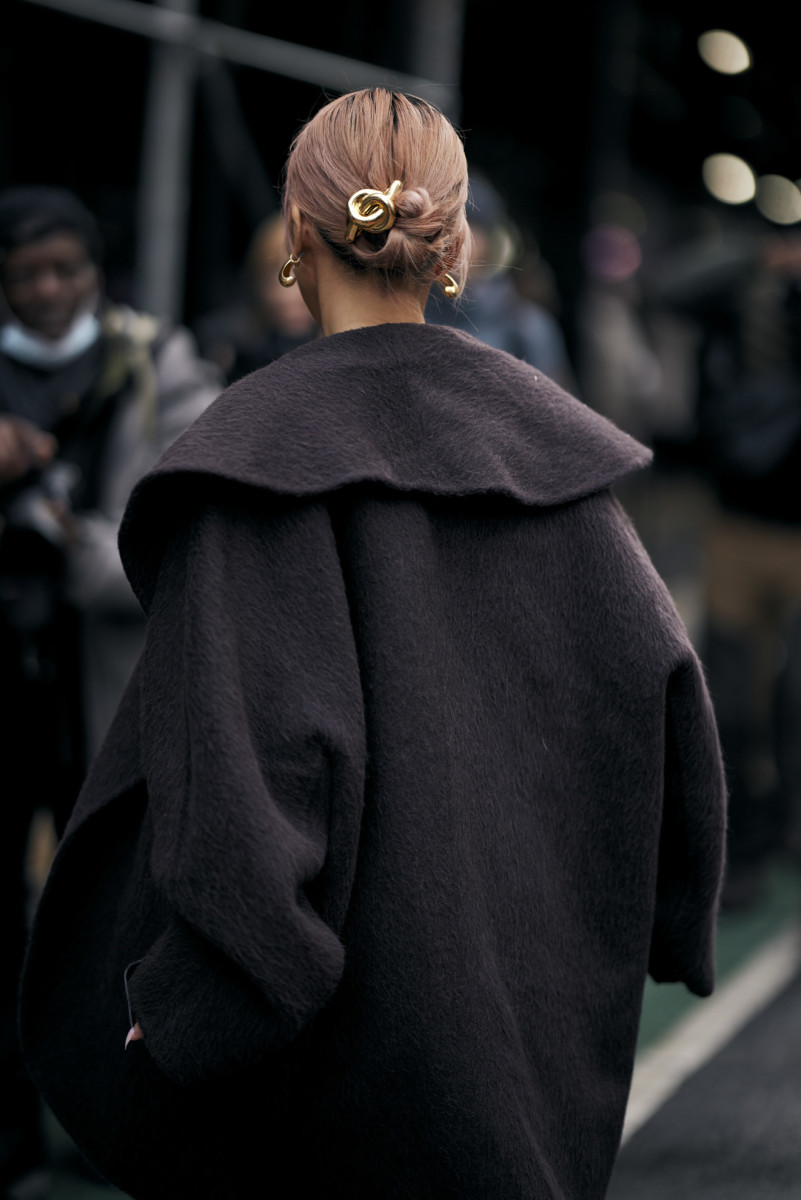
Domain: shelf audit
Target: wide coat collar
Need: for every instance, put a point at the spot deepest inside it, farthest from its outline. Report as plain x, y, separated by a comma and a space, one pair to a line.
416, 408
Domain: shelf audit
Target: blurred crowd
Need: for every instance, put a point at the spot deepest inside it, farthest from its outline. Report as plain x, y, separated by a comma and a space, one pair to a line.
699, 355
91, 392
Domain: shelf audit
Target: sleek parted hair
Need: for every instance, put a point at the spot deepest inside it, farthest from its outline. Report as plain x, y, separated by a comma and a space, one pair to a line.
367, 139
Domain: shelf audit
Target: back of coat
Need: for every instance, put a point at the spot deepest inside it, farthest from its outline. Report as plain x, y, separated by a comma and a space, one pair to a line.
416, 780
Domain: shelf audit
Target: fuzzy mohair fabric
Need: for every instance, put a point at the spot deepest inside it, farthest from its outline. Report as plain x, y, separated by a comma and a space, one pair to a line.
415, 780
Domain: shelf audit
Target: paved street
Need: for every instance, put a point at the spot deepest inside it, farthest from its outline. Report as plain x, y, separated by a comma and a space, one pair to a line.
733, 1130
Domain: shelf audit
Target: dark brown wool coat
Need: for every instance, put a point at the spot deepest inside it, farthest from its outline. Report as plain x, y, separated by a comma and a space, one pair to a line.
416, 778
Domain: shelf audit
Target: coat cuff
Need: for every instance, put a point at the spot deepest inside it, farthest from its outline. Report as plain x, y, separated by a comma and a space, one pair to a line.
202, 1016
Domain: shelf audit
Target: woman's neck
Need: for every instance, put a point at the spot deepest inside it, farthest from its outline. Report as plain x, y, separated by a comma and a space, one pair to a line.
345, 312
350, 301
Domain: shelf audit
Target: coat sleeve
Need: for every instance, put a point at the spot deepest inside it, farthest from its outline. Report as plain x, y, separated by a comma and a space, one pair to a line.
692, 838
252, 748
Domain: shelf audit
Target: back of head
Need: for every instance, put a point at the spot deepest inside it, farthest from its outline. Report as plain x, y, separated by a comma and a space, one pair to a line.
368, 139
30, 214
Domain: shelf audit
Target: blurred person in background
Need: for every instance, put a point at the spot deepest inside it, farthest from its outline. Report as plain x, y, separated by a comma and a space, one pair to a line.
492, 307
90, 394
743, 288
269, 321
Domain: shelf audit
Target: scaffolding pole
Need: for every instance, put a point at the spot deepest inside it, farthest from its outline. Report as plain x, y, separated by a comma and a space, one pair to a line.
164, 186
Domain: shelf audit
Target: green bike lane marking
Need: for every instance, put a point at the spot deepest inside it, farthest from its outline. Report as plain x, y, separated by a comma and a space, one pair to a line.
758, 953
739, 935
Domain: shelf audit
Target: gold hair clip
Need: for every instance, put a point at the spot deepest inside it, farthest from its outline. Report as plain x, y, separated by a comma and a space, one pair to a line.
371, 210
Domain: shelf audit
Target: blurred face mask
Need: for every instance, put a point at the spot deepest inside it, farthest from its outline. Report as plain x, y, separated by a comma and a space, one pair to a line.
34, 350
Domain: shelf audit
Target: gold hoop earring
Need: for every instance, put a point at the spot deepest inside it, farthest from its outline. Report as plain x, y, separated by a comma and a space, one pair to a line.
449, 286
285, 276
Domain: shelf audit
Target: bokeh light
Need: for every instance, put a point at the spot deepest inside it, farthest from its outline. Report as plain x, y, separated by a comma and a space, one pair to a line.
778, 199
724, 52
729, 178
611, 254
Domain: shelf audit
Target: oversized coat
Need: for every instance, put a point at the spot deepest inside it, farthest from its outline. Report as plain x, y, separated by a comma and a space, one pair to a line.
416, 778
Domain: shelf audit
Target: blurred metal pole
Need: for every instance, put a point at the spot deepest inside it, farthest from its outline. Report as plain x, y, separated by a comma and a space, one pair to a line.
163, 203
319, 67
435, 48
617, 35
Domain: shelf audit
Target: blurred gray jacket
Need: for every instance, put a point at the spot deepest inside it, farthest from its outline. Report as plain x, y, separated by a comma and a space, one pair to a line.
168, 387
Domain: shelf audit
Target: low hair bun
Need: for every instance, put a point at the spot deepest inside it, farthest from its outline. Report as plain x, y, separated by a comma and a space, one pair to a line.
367, 139
399, 252
414, 204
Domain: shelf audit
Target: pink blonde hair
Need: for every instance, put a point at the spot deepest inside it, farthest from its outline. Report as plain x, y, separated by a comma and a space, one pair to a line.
367, 139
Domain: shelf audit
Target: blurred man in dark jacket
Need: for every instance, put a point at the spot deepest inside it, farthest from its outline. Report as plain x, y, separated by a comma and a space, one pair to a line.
90, 394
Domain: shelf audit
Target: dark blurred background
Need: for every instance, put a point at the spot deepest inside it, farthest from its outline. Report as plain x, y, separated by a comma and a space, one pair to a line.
597, 114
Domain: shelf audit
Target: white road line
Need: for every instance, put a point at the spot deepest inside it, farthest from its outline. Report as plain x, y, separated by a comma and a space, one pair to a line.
661, 1070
